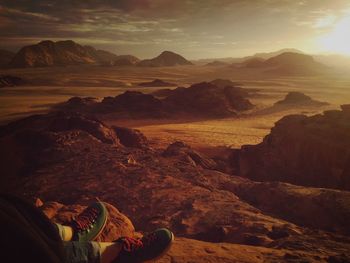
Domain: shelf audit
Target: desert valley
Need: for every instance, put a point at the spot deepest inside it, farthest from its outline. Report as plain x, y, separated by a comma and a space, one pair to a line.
245, 161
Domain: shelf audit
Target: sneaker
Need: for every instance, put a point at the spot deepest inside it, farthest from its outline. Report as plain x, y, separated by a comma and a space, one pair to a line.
88, 225
150, 247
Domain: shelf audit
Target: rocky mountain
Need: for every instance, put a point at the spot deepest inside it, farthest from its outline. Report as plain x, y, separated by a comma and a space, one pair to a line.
309, 151
5, 57
60, 53
157, 83
71, 159
165, 59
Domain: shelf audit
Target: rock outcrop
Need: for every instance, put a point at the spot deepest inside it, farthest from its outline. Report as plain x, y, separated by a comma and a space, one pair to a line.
187, 154
165, 59
38, 140
207, 99
310, 151
299, 99
130, 137
203, 100
132, 104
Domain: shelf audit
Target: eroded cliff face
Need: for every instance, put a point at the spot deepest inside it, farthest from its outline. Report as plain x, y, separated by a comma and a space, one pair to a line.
73, 158
309, 151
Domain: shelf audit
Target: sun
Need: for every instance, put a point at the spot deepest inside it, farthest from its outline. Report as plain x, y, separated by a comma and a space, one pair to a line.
338, 40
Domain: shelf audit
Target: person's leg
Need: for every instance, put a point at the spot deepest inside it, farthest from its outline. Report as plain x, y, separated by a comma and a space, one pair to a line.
109, 251
123, 250
86, 226
27, 234
65, 232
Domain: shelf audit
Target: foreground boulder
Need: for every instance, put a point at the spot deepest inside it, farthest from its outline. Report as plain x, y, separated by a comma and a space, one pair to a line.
310, 151
40, 140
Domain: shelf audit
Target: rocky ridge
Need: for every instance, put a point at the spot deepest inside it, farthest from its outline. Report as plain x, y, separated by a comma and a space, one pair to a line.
199, 100
79, 158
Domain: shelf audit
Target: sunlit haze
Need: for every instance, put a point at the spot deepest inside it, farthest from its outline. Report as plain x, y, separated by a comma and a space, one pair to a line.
196, 29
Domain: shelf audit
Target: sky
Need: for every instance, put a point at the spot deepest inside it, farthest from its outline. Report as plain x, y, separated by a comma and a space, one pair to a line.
193, 28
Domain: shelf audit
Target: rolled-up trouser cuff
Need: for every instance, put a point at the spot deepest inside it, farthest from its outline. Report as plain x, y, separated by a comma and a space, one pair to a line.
82, 252
60, 231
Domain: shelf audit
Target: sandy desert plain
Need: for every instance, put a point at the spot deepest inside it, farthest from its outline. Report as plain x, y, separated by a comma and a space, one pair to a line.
47, 86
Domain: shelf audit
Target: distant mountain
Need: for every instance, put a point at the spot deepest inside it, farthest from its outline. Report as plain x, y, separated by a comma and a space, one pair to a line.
126, 60
5, 57
101, 56
253, 62
267, 55
299, 99
290, 63
166, 58
216, 63
157, 83
238, 60
61, 53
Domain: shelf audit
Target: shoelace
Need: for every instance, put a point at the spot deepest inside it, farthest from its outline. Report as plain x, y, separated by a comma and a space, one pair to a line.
85, 219
131, 244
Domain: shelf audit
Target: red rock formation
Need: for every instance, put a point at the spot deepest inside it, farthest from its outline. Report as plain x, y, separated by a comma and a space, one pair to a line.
208, 100
310, 151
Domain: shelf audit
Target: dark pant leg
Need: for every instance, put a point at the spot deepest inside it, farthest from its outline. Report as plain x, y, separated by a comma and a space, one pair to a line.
26, 234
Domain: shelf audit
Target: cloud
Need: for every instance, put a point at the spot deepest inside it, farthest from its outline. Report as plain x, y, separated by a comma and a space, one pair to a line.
145, 27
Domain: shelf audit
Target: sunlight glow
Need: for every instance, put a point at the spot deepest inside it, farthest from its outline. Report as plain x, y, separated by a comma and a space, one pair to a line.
338, 40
